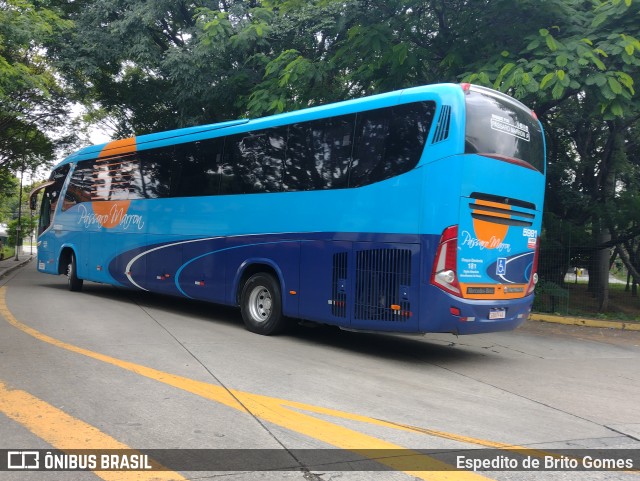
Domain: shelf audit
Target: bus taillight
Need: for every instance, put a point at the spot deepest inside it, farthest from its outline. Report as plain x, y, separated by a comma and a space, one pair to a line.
533, 279
444, 273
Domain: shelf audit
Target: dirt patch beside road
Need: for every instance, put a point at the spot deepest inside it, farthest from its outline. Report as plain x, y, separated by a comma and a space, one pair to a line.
610, 336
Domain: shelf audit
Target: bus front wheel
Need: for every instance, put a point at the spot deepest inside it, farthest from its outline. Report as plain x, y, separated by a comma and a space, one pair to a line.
74, 282
261, 305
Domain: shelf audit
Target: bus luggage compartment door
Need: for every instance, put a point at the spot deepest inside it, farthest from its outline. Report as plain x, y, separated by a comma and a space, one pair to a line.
325, 283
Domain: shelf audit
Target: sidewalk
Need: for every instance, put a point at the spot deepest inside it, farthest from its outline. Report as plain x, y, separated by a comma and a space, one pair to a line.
8, 265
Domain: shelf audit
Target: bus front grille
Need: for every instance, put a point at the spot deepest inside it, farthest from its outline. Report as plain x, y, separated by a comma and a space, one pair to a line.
383, 279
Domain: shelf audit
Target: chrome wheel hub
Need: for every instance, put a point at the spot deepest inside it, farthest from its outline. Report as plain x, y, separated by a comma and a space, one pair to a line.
260, 303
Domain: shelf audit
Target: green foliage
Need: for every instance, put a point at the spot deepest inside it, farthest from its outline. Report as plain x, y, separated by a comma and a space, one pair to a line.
28, 225
575, 64
155, 65
32, 103
149, 65
9, 185
591, 49
6, 252
550, 297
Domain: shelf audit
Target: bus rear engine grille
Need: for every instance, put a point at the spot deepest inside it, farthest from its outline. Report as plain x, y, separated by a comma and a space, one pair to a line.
507, 201
383, 280
339, 285
502, 210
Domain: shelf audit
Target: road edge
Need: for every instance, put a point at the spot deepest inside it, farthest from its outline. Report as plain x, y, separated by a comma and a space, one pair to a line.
8, 270
579, 321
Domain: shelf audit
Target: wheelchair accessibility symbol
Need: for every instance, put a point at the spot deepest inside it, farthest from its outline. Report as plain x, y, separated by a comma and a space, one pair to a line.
501, 266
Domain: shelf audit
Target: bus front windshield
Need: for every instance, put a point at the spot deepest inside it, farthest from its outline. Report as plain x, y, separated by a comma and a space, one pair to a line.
51, 196
498, 126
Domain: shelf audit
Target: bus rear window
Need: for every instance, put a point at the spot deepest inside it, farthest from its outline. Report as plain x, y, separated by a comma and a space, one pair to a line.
502, 127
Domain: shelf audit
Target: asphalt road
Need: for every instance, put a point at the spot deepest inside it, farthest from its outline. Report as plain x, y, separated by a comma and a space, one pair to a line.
114, 369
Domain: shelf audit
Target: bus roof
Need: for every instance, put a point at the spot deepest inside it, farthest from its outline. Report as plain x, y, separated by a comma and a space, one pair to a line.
177, 136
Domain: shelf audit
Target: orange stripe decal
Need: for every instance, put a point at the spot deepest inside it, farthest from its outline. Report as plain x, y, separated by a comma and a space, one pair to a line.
119, 147
109, 214
490, 233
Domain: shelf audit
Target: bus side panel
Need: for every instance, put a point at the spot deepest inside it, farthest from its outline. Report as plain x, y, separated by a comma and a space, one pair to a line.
136, 270
161, 267
203, 270
99, 252
280, 255
180, 267
325, 287
64, 234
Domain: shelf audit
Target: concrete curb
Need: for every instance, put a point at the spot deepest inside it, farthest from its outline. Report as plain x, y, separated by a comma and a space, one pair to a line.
7, 270
579, 321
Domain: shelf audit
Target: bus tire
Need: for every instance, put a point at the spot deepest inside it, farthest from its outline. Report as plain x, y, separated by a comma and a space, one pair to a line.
74, 282
261, 305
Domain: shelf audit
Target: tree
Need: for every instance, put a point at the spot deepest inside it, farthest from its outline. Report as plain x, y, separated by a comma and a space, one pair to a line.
579, 74
159, 65
8, 190
33, 104
141, 64
155, 65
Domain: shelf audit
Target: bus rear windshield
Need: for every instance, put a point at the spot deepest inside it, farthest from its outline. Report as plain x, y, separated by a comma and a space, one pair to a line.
499, 126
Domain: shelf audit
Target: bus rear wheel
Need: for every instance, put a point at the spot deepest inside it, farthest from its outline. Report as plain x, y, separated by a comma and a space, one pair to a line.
261, 305
74, 282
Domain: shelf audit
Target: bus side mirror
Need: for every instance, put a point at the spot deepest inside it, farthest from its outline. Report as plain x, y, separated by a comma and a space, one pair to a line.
33, 196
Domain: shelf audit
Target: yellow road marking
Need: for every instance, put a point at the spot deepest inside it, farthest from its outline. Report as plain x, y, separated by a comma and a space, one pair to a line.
65, 432
278, 412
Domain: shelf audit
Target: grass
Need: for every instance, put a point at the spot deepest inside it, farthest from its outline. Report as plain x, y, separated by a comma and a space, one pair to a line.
577, 301
8, 252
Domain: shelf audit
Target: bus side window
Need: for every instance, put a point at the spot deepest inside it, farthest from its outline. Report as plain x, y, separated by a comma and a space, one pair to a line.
318, 154
200, 168
113, 178
389, 141
372, 130
160, 172
253, 162
80, 185
408, 132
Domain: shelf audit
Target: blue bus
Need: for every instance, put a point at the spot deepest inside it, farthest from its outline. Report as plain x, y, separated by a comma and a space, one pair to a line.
412, 211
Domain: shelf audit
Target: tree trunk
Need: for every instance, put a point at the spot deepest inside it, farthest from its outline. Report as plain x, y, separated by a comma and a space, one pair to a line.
592, 269
603, 271
631, 268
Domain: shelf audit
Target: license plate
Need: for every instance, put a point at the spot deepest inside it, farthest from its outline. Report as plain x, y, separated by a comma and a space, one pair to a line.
497, 314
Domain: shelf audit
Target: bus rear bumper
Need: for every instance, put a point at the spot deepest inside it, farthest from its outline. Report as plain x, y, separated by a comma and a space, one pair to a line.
465, 316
